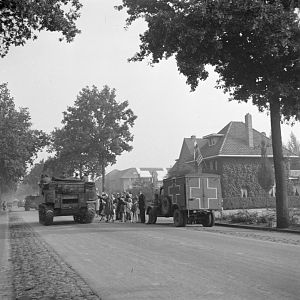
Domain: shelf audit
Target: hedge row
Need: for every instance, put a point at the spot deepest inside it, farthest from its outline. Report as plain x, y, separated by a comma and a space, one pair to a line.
257, 202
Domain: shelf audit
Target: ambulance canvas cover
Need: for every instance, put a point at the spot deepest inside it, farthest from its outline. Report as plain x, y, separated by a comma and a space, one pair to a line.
203, 193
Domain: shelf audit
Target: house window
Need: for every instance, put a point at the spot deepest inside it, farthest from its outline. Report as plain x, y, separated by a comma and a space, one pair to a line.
211, 142
211, 165
216, 165
244, 192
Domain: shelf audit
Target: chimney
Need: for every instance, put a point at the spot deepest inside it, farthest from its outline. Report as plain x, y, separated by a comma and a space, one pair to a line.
249, 131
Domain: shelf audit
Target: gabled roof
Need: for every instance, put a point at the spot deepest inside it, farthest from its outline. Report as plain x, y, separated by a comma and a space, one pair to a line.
234, 143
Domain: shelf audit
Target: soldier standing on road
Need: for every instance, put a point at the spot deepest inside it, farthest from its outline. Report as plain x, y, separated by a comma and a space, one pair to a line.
142, 206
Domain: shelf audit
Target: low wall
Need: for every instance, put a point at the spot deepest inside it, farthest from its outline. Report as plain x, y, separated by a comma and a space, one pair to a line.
257, 202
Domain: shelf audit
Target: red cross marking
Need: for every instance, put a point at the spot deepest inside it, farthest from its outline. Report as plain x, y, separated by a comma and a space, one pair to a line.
195, 193
174, 191
210, 192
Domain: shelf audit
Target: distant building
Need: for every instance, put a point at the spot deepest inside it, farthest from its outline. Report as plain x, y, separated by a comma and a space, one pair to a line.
128, 179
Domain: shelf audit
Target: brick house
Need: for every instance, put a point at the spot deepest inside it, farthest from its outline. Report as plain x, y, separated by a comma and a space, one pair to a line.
234, 153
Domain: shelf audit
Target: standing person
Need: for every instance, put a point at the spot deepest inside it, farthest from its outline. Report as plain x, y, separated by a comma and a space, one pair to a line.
108, 208
142, 206
134, 209
129, 210
114, 205
122, 209
97, 206
101, 207
118, 206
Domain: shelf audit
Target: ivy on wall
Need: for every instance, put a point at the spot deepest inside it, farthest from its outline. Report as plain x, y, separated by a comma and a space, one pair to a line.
240, 175
237, 175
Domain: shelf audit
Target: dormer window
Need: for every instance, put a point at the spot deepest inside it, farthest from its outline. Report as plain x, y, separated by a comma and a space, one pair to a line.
213, 138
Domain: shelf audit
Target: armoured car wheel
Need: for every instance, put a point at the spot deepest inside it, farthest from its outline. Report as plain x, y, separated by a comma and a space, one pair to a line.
41, 221
49, 215
89, 216
179, 218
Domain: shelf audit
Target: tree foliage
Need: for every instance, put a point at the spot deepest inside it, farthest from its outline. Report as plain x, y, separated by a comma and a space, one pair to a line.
22, 20
253, 45
294, 144
33, 177
95, 131
19, 143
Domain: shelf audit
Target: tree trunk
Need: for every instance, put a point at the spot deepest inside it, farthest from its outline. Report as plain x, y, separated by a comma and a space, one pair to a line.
103, 176
279, 166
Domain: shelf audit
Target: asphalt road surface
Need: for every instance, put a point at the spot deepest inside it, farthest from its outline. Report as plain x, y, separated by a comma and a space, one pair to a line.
139, 261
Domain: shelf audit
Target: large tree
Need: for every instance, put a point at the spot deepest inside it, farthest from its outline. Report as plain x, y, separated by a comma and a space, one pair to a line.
252, 44
19, 143
265, 174
22, 20
95, 131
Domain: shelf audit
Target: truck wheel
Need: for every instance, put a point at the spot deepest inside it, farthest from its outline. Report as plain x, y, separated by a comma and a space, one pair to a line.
212, 219
165, 206
27, 208
179, 218
209, 220
49, 215
152, 216
42, 214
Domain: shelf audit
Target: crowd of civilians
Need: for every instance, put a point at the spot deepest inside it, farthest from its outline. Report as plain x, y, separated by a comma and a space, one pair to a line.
122, 207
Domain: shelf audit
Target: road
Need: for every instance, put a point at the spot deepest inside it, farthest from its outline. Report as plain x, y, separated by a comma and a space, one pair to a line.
138, 261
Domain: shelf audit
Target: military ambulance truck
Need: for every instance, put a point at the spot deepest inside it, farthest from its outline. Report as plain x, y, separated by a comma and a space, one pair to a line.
67, 197
190, 199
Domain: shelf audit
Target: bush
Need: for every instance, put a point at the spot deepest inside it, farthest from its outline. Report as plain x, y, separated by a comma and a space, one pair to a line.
245, 216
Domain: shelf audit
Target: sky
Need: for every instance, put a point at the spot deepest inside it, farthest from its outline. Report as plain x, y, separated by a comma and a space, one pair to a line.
46, 76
